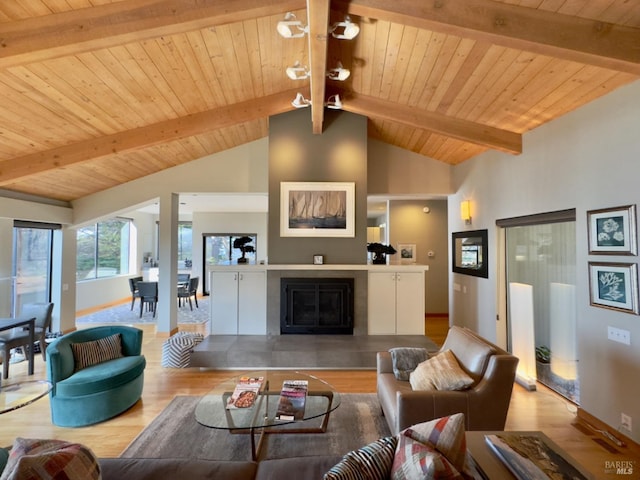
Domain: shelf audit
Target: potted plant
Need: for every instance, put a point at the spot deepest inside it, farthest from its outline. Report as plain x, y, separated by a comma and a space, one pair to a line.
380, 252
241, 244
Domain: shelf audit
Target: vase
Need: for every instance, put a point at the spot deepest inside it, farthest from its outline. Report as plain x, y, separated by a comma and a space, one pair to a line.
379, 259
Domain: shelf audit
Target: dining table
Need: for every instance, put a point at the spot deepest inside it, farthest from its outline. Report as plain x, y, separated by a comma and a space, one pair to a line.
11, 323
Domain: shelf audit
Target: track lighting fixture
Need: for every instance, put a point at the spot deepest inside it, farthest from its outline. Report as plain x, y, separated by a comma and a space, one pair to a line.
300, 101
339, 73
334, 102
291, 27
298, 72
349, 30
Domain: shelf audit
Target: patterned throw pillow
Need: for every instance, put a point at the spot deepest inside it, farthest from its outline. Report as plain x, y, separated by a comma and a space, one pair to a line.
86, 354
415, 460
406, 359
446, 435
34, 459
441, 372
371, 462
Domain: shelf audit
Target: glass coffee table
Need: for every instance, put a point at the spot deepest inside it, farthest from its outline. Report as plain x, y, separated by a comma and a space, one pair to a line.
21, 394
260, 418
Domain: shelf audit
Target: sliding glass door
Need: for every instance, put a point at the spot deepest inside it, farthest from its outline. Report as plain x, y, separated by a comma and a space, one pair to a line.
541, 273
32, 250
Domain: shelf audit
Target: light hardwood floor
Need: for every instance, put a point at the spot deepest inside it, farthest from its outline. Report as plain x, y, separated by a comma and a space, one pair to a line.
539, 410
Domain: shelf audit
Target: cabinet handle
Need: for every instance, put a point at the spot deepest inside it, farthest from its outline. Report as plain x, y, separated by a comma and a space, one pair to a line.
241, 277
398, 277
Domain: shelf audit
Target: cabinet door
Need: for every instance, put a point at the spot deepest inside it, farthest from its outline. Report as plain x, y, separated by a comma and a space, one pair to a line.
252, 303
410, 303
224, 303
382, 303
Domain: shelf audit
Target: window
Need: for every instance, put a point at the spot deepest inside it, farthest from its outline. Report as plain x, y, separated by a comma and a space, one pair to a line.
185, 241
103, 249
32, 252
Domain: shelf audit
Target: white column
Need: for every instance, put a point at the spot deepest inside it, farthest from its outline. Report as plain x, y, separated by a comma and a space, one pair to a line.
167, 314
63, 280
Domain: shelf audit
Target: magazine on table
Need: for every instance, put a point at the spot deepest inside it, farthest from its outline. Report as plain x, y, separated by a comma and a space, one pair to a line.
529, 457
293, 397
245, 392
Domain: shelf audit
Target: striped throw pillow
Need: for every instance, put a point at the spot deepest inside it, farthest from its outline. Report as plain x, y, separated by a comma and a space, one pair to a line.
90, 353
371, 462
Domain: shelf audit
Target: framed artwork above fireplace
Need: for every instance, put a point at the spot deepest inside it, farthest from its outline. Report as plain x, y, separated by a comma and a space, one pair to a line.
317, 209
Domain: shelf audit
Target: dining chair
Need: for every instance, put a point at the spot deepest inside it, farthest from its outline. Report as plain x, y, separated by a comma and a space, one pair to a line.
148, 293
183, 279
133, 286
19, 337
189, 291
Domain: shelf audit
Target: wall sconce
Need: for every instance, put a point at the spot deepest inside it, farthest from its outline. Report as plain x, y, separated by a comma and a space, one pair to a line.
465, 211
300, 101
349, 30
298, 72
334, 102
339, 73
291, 27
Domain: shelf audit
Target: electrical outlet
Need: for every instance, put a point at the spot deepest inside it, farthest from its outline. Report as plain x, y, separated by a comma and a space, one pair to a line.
625, 421
619, 335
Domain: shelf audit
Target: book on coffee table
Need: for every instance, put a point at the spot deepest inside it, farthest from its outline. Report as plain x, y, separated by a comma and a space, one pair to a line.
529, 457
245, 392
293, 397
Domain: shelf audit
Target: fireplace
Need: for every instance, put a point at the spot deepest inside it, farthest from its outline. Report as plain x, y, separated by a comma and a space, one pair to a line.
316, 306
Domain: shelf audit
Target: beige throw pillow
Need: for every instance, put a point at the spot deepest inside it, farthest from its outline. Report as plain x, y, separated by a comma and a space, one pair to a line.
441, 372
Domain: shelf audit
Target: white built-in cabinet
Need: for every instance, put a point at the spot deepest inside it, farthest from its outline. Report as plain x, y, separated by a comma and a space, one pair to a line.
396, 302
238, 302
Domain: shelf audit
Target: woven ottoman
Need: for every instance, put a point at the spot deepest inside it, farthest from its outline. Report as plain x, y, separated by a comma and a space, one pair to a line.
177, 349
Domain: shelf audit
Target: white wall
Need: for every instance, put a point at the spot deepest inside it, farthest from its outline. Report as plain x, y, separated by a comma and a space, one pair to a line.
587, 159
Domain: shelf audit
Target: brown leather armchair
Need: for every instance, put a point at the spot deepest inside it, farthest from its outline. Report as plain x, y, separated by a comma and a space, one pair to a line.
485, 404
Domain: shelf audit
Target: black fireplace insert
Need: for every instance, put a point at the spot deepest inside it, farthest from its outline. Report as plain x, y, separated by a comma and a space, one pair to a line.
316, 306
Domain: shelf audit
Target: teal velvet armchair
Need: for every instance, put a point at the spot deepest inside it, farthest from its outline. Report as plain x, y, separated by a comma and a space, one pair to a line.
99, 391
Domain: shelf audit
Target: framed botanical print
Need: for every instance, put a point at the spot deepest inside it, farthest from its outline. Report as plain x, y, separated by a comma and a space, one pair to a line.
614, 285
612, 231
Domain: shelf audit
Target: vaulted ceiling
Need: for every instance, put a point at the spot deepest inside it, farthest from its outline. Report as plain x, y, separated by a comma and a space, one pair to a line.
95, 93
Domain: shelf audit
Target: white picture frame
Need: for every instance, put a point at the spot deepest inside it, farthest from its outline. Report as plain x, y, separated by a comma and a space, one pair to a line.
317, 209
407, 252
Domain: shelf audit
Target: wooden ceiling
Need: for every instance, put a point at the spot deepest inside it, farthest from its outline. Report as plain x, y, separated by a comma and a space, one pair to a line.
95, 93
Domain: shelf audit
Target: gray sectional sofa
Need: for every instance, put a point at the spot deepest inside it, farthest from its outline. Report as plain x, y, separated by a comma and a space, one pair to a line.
308, 468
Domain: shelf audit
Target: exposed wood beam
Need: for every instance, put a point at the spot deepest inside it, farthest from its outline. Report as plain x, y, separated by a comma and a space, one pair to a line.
170, 130
318, 22
77, 31
605, 45
464, 130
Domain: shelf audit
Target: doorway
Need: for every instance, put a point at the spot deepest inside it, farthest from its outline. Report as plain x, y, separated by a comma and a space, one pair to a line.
540, 278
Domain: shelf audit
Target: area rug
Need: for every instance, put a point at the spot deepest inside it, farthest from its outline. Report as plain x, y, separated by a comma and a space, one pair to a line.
174, 433
123, 314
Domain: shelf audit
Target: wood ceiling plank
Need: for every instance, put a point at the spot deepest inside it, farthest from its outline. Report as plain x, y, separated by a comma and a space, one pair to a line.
427, 66
461, 129
142, 137
390, 68
450, 71
317, 37
563, 36
464, 79
383, 30
403, 62
143, 54
423, 40
76, 31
